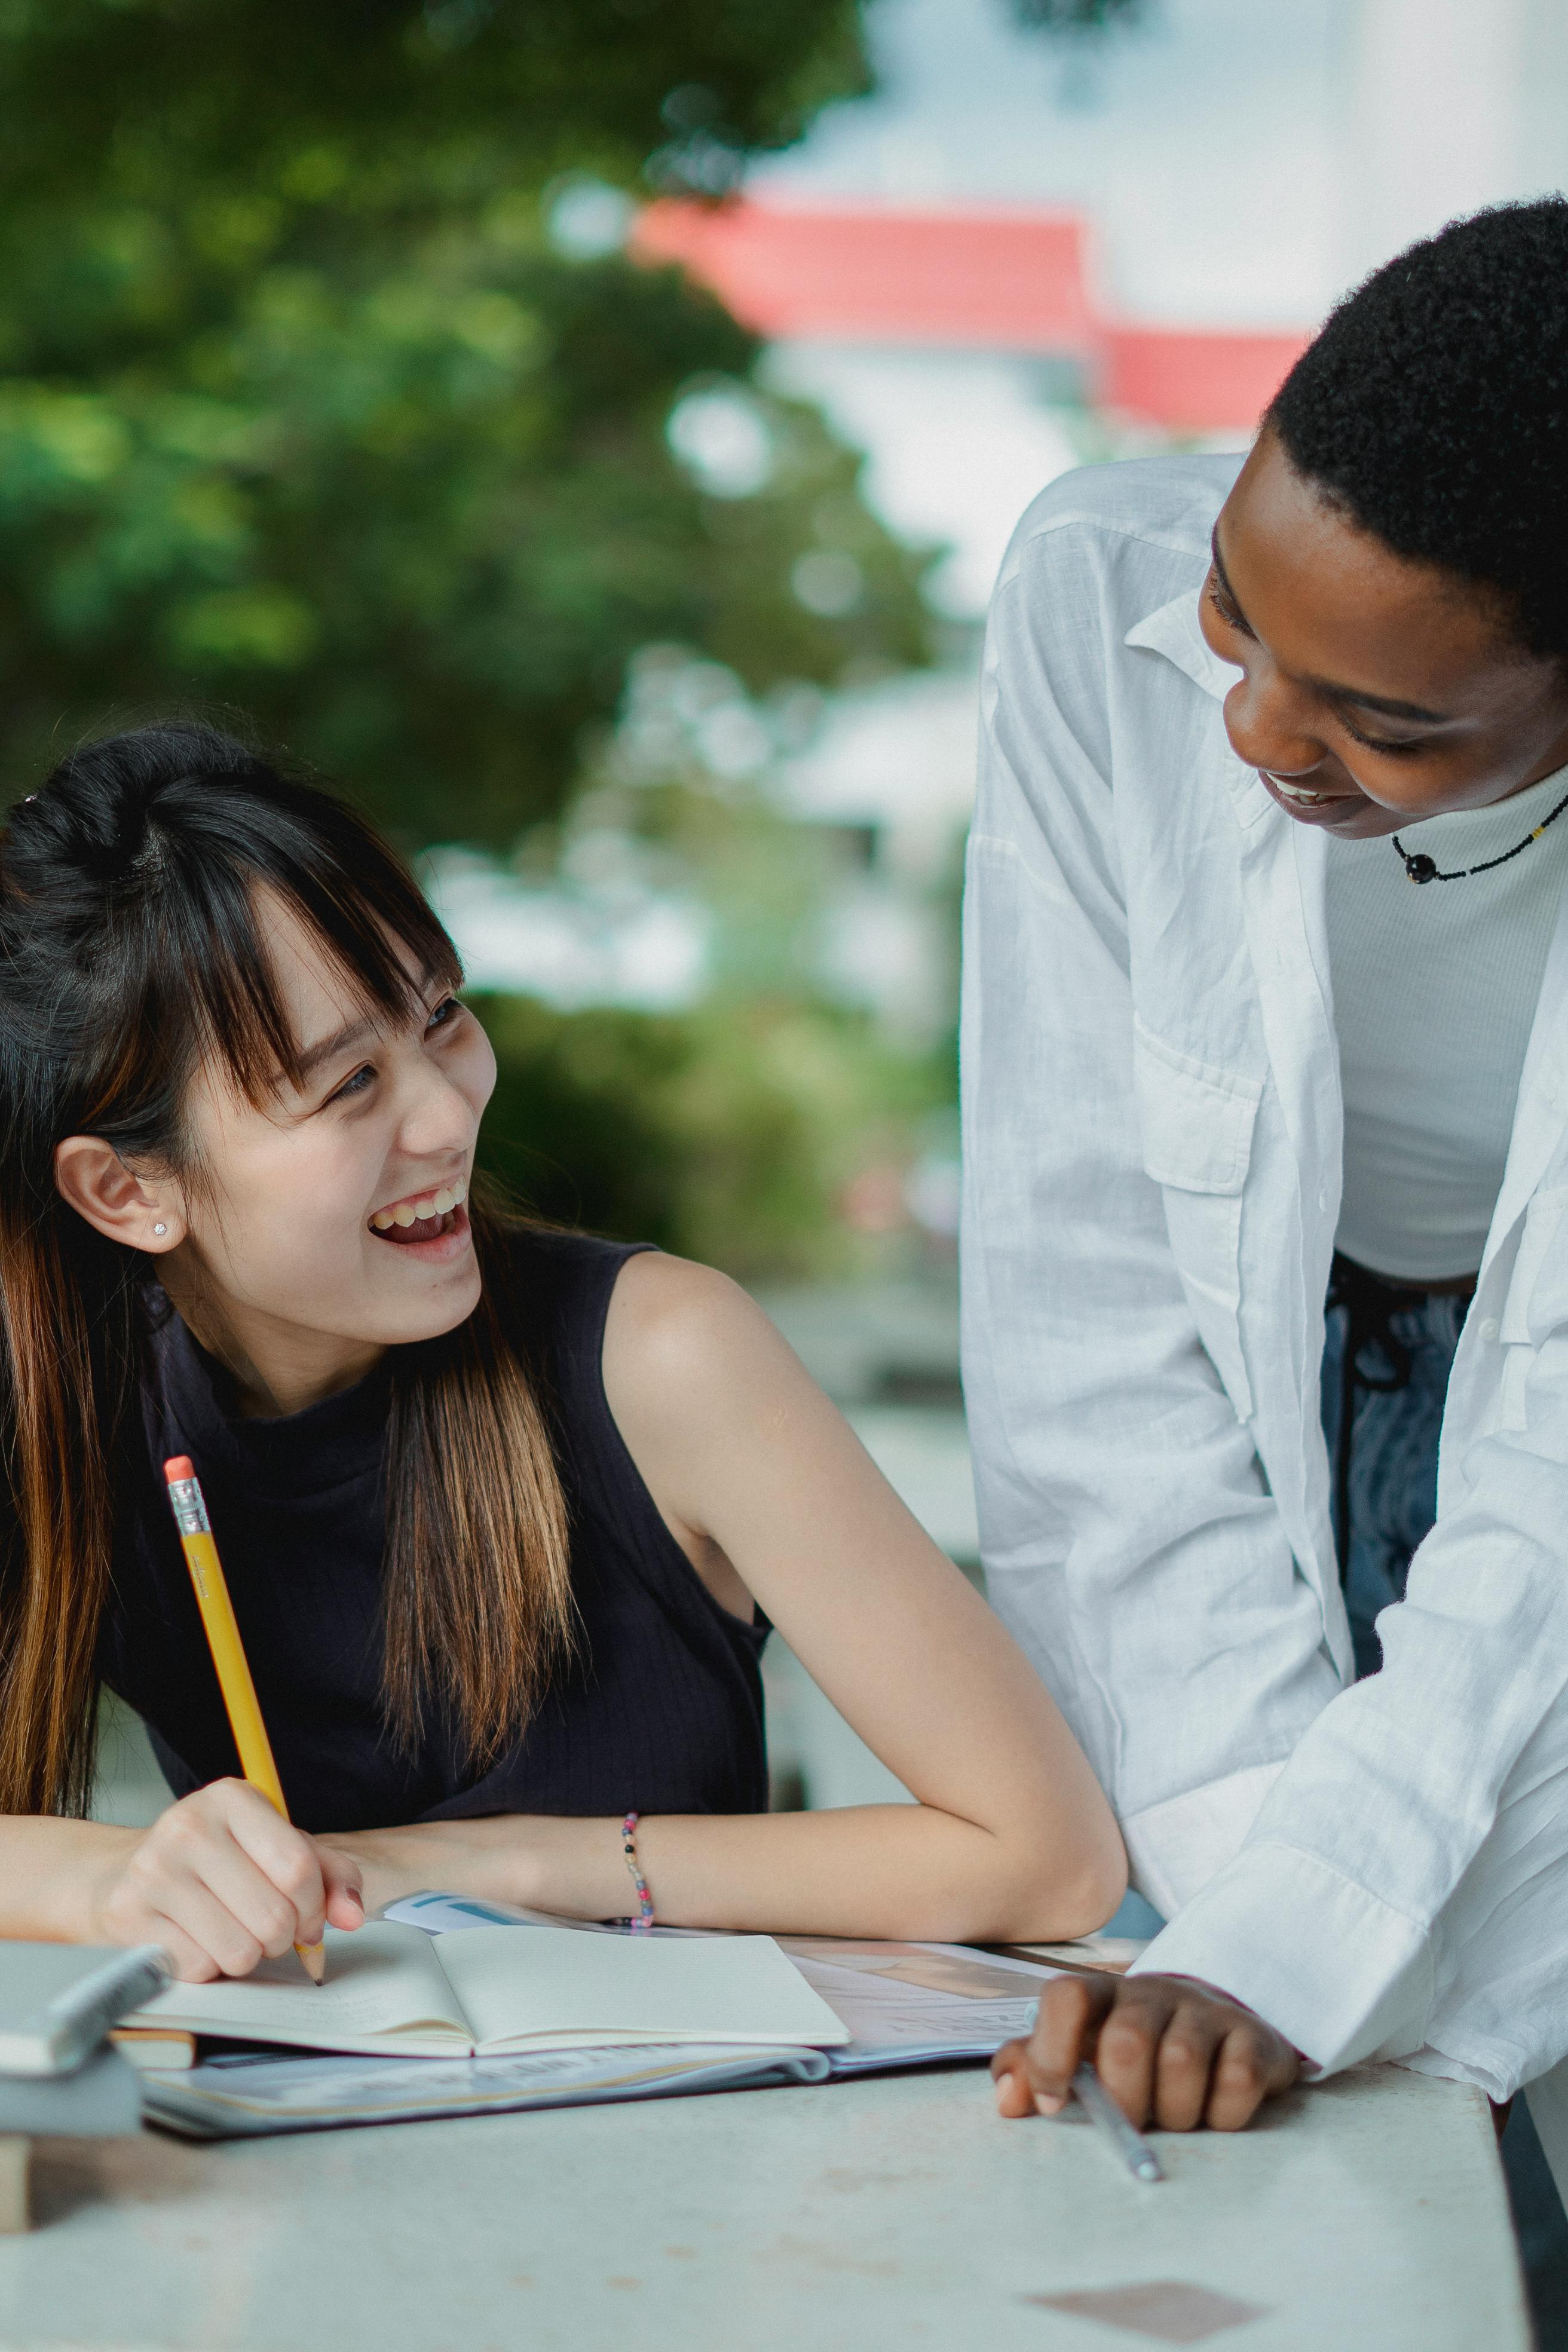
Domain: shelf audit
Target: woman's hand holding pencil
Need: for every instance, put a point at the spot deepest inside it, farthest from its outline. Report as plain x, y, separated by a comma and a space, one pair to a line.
265, 1878
221, 1881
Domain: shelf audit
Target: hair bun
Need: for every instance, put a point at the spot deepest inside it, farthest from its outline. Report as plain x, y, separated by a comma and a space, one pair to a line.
93, 811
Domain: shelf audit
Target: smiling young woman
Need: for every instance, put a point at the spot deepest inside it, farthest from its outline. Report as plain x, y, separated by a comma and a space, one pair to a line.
1250, 1120
1376, 689
506, 1512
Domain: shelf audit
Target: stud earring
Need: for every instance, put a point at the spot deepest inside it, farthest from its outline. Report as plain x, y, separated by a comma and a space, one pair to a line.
159, 1231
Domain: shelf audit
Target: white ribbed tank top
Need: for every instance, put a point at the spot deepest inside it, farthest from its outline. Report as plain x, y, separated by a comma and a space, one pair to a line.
1434, 989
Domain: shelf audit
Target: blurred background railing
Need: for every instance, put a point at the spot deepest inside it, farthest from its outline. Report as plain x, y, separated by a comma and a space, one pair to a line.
588, 430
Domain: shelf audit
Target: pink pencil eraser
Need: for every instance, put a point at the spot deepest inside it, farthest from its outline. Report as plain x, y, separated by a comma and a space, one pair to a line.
180, 1467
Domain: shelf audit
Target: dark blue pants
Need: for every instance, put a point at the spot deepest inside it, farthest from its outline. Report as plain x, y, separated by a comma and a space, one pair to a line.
1385, 1483
1389, 1405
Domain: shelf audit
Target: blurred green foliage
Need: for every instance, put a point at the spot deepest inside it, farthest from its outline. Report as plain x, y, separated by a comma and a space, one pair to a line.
309, 410
416, 97
729, 1132
725, 1133
302, 411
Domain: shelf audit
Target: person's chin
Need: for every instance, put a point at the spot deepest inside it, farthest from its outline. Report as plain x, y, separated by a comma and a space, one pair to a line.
428, 1296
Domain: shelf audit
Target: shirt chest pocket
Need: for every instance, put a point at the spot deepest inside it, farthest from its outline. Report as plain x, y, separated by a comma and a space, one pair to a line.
1536, 1301
1195, 1121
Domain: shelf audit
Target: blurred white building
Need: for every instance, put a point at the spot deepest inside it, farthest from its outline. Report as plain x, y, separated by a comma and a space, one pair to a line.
967, 349
1243, 162
995, 267
893, 767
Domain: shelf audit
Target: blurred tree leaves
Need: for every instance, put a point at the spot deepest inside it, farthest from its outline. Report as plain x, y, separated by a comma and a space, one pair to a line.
302, 411
725, 1133
411, 98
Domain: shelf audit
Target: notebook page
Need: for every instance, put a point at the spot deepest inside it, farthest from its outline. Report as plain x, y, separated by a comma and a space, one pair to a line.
385, 1989
552, 1988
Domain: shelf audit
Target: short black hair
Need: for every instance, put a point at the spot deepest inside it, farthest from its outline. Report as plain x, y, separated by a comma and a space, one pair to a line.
1433, 408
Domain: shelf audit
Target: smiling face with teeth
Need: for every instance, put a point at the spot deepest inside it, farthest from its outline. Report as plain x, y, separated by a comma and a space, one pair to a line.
423, 1218
329, 1223
1374, 691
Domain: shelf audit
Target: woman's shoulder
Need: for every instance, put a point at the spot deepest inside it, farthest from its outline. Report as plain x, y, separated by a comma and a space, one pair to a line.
1172, 500
669, 1315
1132, 534
624, 1320
686, 1348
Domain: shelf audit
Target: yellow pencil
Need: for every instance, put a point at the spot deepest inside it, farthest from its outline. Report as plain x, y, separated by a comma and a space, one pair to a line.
229, 1656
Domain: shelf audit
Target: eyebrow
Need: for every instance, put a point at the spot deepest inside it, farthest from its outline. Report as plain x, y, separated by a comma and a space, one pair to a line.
1387, 705
352, 1033
328, 1050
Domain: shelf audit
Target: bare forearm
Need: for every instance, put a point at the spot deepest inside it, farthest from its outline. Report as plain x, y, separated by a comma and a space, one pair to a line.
49, 1871
219, 1881
874, 1870
881, 1870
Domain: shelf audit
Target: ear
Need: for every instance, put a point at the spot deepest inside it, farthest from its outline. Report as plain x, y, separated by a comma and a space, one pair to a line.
92, 1177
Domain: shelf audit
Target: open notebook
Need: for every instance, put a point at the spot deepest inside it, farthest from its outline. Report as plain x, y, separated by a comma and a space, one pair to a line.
394, 1990
899, 2004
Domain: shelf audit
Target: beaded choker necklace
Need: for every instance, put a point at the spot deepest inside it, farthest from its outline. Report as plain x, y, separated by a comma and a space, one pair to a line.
1422, 868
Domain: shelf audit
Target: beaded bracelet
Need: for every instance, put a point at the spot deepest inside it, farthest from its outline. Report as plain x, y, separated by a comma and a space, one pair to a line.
643, 1920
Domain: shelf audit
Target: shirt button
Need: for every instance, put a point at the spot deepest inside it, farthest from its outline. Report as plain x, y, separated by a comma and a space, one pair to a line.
1491, 1328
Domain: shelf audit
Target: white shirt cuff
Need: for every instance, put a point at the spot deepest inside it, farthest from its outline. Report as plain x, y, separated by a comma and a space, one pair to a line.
1175, 1847
1331, 1967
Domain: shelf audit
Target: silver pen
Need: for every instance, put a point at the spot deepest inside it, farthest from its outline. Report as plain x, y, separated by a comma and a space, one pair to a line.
1129, 2143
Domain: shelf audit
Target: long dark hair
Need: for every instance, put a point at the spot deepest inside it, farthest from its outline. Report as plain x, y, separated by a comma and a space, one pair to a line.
130, 954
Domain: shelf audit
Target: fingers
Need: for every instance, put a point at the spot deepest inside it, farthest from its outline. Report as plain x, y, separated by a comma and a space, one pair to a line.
1254, 2064
150, 1903
232, 1948
1170, 2052
1184, 2061
285, 1859
221, 1881
325, 1884
344, 1882
1065, 2028
1009, 2072
1128, 2053
259, 1918
188, 1962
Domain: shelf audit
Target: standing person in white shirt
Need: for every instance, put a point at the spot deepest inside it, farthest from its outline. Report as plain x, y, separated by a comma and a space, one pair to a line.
1213, 1034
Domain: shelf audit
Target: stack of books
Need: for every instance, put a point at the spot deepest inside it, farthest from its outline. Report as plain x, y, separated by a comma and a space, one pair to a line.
57, 2074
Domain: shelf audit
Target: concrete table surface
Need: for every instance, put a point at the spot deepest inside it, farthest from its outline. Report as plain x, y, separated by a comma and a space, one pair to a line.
1368, 2212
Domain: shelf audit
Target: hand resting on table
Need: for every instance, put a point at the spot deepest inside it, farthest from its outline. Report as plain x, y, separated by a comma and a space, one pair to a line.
1170, 2052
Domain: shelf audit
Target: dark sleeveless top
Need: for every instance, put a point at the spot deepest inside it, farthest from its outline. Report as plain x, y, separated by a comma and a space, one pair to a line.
660, 1711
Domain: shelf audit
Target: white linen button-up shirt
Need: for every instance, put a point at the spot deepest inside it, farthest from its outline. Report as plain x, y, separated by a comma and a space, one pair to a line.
1152, 1138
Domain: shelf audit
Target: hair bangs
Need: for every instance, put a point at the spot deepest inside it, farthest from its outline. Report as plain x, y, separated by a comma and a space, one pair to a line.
369, 922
